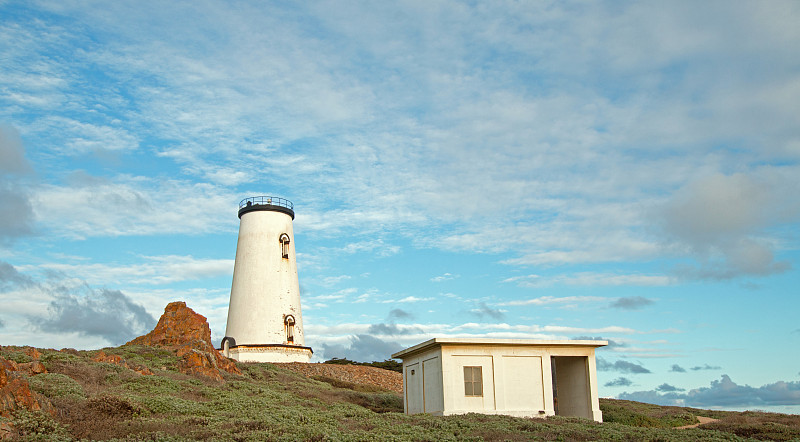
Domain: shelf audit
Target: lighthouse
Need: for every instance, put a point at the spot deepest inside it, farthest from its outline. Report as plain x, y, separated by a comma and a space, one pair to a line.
264, 319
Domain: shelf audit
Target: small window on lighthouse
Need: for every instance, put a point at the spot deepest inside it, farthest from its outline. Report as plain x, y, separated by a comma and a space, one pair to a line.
289, 326
284, 239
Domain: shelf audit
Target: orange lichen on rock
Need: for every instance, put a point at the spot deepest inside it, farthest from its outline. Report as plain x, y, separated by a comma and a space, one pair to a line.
15, 392
33, 353
32, 368
189, 335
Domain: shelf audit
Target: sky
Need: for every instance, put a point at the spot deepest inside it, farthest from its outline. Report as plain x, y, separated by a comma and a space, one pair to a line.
625, 171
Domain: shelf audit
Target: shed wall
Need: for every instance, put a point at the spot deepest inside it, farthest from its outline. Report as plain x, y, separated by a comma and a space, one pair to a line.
422, 383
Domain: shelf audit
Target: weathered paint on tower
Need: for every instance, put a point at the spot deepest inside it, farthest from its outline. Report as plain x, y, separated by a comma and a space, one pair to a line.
264, 319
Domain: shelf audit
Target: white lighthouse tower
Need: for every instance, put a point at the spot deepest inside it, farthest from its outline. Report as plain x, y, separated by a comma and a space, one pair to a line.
264, 319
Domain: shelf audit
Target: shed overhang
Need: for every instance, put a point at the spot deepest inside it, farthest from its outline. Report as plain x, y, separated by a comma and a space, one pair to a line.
541, 343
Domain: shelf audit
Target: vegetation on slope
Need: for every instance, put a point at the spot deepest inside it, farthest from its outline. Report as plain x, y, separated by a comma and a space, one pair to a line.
388, 364
102, 401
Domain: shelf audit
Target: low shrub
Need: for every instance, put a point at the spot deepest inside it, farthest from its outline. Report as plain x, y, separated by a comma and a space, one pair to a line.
338, 383
388, 364
760, 425
56, 385
12, 354
638, 414
37, 425
50, 356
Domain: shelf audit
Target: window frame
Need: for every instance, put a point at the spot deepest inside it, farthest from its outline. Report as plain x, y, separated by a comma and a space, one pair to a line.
289, 323
473, 377
284, 240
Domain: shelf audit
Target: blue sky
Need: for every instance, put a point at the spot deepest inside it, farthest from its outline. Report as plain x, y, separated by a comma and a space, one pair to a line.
618, 170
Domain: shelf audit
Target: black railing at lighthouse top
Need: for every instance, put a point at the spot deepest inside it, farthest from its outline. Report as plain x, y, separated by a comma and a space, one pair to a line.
270, 200
266, 203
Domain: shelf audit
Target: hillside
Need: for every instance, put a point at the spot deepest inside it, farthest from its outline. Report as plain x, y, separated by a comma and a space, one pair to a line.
100, 395
172, 385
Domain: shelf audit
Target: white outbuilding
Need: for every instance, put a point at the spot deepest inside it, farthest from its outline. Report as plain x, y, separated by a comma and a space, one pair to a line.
517, 377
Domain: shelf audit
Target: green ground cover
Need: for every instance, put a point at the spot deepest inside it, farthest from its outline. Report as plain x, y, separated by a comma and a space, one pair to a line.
101, 401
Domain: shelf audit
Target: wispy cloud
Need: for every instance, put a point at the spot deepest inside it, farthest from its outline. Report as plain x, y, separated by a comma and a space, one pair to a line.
721, 219
362, 348
444, 277
11, 278
631, 303
407, 299
705, 367
330, 281
393, 330
621, 366
667, 388
108, 314
72, 306
156, 270
414, 160
132, 206
485, 311
589, 279
619, 382
16, 212
722, 393
552, 300
368, 246
398, 313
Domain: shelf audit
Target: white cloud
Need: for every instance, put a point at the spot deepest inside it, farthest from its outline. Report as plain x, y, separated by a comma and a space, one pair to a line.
590, 279
80, 138
406, 299
552, 300
394, 159
157, 270
330, 281
444, 277
369, 246
133, 206
722, 222
337, 296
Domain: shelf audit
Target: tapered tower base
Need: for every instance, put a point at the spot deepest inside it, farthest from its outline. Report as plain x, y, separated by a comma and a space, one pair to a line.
269, 353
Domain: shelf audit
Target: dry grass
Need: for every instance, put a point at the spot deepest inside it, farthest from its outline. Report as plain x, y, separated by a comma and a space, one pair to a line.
760, 425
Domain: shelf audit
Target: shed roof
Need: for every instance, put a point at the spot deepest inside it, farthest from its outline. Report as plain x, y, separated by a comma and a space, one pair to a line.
504, 342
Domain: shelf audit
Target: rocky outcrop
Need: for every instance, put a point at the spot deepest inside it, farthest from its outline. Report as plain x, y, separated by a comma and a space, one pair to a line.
15, 392
31, 368
187, 333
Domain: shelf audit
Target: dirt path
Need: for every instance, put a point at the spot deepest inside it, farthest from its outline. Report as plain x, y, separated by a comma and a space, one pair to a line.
702, 419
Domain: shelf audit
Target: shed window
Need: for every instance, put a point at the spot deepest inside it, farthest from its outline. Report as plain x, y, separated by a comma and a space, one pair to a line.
284, 240
473, 381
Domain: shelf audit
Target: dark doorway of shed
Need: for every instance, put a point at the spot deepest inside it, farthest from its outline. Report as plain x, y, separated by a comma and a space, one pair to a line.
571, 394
